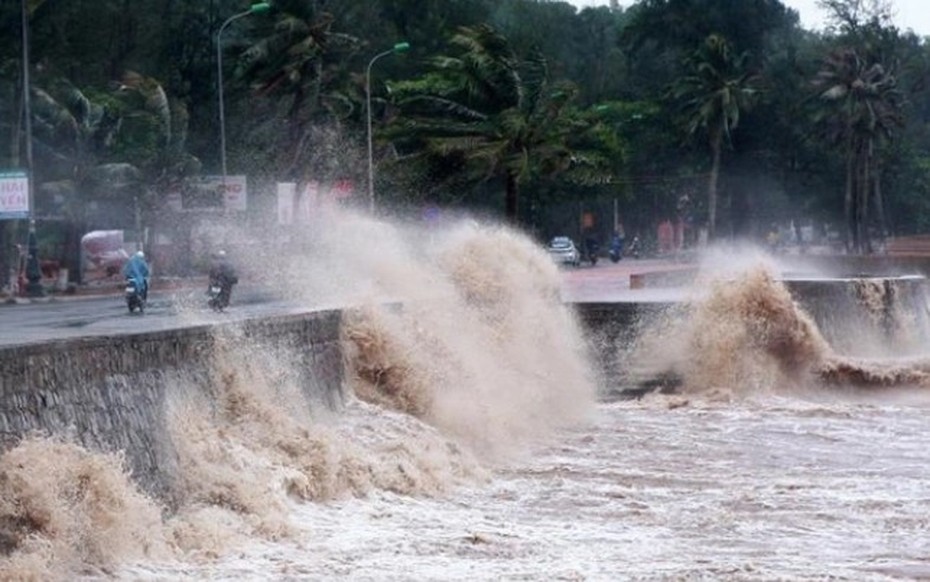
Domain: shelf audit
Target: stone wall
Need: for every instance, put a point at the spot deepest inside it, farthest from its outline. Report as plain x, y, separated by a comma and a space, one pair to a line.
109, 393
612, 330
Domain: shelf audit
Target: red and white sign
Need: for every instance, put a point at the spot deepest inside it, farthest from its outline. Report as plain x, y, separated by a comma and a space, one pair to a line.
342, 189
14, 196
231, 189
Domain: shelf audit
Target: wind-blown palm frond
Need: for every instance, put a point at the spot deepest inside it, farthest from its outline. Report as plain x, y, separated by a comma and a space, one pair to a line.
492, 116
713, 96
154, 99
862, 111
300, 61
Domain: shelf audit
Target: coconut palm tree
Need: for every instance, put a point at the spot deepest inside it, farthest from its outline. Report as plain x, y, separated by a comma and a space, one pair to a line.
115, 145
493, 116
302, 59
716, 91
863, 112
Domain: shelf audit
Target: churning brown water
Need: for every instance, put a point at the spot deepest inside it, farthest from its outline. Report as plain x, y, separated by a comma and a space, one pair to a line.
474, 446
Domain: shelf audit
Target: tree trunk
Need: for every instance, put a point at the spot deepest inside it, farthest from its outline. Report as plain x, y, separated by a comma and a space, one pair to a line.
879, 203
295, 124
848, 196
716, 145
73, 257
512, 200
5, 253
864, 188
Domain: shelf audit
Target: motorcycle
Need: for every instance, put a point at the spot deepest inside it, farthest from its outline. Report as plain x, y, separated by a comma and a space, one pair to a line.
218, 296
634, 249
134, 297
616, 249
591, 250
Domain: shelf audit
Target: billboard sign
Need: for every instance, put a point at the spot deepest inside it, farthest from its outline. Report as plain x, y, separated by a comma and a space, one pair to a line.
14, 195
210, 191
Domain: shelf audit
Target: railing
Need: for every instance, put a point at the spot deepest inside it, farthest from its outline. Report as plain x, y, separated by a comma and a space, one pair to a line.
909, 246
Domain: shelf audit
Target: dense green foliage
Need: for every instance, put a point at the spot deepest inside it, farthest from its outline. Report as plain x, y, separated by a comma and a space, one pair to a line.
723, 113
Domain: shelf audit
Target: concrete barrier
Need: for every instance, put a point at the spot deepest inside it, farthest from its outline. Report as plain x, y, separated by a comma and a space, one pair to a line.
110, 393
612, 329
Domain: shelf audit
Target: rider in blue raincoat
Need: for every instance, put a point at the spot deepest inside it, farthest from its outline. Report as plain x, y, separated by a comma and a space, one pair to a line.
138, 270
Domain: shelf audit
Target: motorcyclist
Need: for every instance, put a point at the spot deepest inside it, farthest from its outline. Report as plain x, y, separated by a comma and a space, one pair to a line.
616, 246
137, 270
223, 275
634, 248
591, 248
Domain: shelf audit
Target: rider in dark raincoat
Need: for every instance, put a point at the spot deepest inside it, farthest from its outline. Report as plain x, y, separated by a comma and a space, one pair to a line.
223, 274
138, 270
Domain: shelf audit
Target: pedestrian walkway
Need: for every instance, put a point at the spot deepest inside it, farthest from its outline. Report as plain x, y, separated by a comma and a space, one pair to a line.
611, 282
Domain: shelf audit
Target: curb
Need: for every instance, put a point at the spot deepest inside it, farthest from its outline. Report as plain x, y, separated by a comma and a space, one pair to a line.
97, 293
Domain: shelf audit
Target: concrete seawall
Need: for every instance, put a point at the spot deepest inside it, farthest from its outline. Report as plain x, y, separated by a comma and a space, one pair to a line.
110, 393
114, 393
612, 329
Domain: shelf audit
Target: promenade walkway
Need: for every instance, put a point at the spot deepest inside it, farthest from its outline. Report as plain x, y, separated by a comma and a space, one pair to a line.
611, 282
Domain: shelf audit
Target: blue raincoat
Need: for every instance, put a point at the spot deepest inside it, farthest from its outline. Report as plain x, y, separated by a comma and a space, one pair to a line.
137, 269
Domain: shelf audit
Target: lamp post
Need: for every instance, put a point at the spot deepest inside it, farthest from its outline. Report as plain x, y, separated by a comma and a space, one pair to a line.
253, 9
397, 48
27, 106
33, 271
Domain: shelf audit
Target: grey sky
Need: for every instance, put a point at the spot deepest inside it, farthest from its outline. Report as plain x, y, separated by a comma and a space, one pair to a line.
909, 14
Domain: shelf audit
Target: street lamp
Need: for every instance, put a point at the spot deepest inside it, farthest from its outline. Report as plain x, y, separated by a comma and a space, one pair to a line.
33, 271
397, 48
253, 9
27, 107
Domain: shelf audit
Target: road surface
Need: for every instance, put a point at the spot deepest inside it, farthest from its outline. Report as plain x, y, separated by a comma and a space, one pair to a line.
71, 317
61, 318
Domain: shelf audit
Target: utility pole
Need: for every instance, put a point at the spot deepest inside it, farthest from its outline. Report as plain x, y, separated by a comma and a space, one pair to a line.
27, 106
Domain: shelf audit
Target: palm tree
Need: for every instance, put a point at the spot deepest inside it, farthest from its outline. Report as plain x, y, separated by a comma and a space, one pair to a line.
864, 110
302, 59
121, 144
153, 131
493, 116
715, 93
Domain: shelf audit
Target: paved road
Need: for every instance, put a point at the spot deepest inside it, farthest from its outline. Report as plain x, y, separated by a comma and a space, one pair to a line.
108, 315
70, 317
610, 282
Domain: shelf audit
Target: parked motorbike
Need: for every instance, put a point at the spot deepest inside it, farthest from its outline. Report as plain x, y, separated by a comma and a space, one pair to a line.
134, 297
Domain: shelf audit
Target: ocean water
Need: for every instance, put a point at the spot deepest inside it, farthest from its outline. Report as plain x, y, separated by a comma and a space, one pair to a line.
478, 443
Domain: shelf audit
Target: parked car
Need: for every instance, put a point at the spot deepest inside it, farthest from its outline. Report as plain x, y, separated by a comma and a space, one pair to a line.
564, 252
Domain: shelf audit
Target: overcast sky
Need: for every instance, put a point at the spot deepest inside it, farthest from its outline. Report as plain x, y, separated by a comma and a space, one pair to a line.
913, 14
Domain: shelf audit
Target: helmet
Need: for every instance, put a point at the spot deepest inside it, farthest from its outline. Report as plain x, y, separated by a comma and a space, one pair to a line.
140, 254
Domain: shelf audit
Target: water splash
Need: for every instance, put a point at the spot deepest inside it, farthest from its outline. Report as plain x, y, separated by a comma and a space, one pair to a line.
63, 508
460, 350
493, 357
742, 332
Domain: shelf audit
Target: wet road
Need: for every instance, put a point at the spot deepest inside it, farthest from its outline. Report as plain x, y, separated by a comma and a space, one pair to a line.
70, 317
61, 318
610, 282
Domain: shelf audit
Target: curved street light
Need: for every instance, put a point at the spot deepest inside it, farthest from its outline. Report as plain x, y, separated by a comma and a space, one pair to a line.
397, 48
253, 9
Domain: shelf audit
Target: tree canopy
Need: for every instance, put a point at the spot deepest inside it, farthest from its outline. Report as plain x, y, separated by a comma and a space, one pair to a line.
532, 109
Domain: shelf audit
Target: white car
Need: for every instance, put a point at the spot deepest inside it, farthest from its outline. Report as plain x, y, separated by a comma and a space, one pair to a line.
564, 252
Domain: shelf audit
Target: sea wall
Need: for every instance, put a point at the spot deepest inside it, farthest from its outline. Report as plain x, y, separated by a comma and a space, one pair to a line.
110, 393
612, 329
